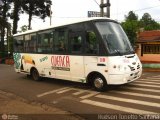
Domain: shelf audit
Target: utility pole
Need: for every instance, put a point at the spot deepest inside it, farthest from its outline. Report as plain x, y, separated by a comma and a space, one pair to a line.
108, 8
50, 12
101, 8
107, 5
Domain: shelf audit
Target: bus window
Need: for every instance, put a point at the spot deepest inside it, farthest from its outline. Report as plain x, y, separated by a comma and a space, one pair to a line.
61, 41
26, 44
76, 42
18, 44
115, 38
45, 42
30, 43
91, 43
33, 43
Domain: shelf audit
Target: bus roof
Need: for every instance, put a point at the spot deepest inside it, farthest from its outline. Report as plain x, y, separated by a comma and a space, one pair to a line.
65, 22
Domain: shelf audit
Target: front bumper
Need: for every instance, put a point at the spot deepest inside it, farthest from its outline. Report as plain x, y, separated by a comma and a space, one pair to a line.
118, 79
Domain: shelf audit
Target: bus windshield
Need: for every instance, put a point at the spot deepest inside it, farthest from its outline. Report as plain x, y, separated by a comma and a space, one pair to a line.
115, 38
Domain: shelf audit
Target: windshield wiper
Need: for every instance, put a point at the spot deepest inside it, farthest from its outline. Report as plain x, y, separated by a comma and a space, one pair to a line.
109, 44
117, 51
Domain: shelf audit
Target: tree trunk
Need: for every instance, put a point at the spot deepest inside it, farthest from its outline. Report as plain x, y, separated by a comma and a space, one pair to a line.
31, 7
3, 26
15, 16
2, 39
29, 21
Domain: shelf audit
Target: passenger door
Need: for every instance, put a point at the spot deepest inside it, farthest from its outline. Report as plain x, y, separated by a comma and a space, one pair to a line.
76, 40
61, 60
91, 52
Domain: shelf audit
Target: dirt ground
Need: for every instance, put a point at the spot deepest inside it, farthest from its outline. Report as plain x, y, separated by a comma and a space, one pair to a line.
17, 108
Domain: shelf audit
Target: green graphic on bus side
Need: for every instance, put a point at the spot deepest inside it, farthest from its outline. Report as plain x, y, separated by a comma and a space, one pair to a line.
44, 59
17, 57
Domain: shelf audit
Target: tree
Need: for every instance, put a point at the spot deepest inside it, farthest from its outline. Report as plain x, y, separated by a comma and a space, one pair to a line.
15, 15
39, 8
131, 16
130, 26
4, 8
31, 7
148, 23
24, 28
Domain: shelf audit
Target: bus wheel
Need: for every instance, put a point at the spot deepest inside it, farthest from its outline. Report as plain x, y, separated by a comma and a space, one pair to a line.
99, 83
28, 76
35, 74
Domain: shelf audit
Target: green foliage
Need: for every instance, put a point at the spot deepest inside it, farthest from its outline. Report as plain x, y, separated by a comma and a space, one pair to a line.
132, 25
4, 13
131, 16
24, 28
40, 8
148, 23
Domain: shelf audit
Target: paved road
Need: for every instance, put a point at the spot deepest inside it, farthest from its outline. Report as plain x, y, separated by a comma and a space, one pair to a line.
139, 97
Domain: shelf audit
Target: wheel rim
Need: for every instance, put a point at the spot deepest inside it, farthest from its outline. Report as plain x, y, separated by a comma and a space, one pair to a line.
98, 83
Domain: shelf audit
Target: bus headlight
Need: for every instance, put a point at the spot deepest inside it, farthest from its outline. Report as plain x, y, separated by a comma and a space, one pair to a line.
117, 66
114, 66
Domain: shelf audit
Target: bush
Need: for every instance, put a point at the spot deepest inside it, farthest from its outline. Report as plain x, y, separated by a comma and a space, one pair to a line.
4, 56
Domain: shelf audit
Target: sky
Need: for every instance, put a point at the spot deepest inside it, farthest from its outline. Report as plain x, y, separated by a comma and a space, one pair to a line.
69, 9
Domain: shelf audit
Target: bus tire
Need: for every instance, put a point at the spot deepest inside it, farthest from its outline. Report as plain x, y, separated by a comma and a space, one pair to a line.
29, 76
35, 74
99, 83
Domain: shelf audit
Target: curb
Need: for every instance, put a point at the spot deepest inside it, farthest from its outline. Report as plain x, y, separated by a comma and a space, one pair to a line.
151, 69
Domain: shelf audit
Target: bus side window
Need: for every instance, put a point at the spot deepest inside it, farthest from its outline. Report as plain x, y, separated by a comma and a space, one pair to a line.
18, 44
30, 43
61, 41
76, 44
26, 43
45, 42
91, 43
61, 45
33, 43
